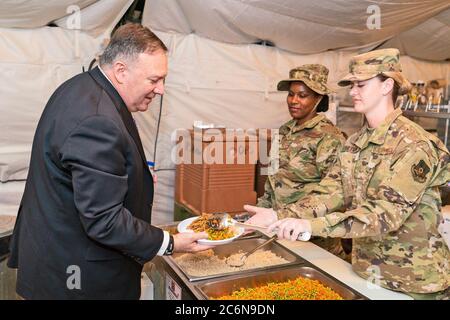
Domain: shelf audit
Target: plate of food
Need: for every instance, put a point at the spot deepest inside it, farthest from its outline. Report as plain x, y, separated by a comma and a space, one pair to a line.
215, 237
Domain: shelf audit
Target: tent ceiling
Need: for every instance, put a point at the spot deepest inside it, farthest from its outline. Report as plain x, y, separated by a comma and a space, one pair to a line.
420, 29
310, 26
429, 40
97, 17
35, 13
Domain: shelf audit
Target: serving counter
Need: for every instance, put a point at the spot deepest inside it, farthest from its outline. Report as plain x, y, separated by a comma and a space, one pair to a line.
305, 259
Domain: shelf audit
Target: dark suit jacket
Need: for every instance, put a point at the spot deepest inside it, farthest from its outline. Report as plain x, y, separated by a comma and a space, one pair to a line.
87, 200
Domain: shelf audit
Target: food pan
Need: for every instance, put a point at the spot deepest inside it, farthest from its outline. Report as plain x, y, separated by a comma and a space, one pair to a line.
222, 287
246, 245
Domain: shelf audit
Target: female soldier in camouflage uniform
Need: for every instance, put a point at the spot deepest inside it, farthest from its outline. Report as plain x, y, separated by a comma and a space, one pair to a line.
383, 191
309, 144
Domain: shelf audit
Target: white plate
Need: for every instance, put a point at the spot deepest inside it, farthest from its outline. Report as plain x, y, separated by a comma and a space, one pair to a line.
182, 227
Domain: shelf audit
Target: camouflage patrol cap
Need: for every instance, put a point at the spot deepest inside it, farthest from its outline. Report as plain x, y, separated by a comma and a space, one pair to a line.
368, 65
313, 75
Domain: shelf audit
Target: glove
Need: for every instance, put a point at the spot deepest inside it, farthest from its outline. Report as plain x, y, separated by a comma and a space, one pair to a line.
261, 216
292, 229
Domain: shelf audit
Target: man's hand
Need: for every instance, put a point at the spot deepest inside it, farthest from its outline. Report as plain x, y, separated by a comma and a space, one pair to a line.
261, 216
290, 228
187, 242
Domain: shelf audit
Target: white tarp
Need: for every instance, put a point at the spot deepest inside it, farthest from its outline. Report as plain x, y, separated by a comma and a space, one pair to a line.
421, 27
36, 59
429, 40
36, 13
216, 74
96, 17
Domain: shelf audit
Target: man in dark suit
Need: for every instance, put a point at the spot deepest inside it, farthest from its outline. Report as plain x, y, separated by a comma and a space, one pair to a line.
83, 229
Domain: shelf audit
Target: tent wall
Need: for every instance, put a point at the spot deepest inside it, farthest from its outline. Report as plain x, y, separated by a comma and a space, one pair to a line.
34, 62
35, 59
232, 85
215, 75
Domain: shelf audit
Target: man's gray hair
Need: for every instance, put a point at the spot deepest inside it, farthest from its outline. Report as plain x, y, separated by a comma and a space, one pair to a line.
128, 41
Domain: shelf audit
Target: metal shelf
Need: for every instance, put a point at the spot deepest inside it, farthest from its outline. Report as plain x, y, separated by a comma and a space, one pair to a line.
411, 113
429, 114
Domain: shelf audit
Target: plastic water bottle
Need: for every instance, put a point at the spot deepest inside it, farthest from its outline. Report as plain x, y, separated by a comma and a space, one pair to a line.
151, 167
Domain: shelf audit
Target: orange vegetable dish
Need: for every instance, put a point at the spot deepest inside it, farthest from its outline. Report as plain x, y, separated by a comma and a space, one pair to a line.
199, 225
297, 289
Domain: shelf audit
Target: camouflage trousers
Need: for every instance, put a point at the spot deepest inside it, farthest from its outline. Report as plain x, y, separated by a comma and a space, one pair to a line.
440, 295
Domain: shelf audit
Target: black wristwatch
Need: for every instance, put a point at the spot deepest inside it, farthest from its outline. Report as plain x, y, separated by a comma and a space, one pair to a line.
170, 247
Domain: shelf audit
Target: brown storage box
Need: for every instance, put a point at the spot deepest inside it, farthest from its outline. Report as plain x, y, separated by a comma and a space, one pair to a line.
218, 187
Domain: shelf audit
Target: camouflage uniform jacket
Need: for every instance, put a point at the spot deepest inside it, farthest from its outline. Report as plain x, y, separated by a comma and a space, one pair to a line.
385, 182
306, 153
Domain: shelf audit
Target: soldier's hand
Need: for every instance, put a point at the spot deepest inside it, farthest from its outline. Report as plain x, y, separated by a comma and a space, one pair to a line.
290, 228
187, 242
261, 216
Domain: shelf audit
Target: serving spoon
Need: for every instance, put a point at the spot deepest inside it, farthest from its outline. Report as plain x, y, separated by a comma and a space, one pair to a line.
241, 261
220, 221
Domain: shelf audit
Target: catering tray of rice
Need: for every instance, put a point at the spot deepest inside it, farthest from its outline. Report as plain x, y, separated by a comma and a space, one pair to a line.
299, 282
213, 262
